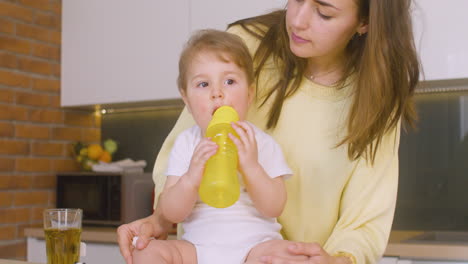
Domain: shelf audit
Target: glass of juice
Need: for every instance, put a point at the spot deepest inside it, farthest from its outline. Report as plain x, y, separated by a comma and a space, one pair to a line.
62, 228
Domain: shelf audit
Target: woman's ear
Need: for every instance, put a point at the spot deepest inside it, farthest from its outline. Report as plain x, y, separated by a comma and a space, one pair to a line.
362, 28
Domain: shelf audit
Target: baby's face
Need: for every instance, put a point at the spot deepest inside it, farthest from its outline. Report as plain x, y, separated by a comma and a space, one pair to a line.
212, 83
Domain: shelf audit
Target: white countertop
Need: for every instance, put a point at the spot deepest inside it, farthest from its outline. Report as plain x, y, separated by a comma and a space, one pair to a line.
396, 247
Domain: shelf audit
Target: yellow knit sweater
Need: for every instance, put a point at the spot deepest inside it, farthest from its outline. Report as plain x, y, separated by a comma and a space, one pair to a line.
345, 206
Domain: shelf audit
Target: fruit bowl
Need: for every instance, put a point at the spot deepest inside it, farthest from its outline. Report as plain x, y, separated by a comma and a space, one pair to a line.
88, 154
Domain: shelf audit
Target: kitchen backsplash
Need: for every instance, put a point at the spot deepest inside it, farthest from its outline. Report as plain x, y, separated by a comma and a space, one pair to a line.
140, 133
433, 184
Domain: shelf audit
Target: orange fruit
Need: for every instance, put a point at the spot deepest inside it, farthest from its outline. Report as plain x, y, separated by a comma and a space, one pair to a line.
105, 157
95, 151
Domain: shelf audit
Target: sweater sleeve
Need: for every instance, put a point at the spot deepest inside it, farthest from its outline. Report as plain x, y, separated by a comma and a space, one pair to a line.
367, 205
184, 122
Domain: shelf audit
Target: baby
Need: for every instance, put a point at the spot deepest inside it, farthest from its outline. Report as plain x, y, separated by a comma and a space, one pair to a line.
215, 69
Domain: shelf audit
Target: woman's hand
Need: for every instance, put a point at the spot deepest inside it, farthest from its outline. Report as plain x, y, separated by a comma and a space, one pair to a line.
314, 252
145, 229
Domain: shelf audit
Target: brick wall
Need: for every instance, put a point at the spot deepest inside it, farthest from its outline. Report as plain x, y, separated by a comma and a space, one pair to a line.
35, 132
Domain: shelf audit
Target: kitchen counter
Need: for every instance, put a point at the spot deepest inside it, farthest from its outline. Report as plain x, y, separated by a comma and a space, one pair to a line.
397, 247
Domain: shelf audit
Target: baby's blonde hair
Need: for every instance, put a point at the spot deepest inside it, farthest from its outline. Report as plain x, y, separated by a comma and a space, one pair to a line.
226, 46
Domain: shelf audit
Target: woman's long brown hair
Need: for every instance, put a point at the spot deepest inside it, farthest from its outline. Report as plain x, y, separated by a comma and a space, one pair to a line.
383, 61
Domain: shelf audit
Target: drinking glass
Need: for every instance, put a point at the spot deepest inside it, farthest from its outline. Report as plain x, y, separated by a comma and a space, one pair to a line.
62, 228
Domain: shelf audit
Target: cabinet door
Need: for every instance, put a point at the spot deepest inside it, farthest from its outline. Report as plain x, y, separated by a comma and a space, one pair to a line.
121, 51
441, 39
219, 13
96, 253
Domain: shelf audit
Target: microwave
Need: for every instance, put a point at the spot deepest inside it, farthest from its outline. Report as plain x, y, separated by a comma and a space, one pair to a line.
107, 199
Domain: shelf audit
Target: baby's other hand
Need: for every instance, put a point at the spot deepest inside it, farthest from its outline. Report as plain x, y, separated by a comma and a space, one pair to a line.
246, 146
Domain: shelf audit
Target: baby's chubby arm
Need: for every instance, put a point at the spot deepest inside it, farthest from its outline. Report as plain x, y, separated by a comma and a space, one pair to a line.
268, 194
180, 193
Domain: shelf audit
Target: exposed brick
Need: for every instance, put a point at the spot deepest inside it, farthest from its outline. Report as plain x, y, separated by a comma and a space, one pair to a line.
34, 99
6, 199
15, 182
66, 133
55, 70
46, 51
7, 129
52, 199
34, 66
6, 95
44, 181
8, 60
14, 147
14, 79
14, 44
62, 165
47, 149
6, 26
11, 112
91, 135
14, 215
21, 227
69, 150
31, 131
15, 11
46, 85
33, 164
31, 198
13, 251
56, 37
37, 213
7, 232
36, 4
54, 101
46, 116
33, 32
47, 20
7, 164
85, 119
56, 7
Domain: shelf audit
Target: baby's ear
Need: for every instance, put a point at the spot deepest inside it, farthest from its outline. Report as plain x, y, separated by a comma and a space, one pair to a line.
185, 99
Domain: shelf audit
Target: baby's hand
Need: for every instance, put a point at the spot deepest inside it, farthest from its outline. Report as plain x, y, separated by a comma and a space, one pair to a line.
203, 151
246, 146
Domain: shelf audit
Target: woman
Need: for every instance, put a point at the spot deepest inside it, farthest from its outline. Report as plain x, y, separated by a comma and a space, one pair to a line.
334, 79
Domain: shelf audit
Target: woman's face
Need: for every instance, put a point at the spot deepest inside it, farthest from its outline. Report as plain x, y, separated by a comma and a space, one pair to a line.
321, 28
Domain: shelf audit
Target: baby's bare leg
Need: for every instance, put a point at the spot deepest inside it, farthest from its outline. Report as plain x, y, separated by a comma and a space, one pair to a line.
277, 248
166, 252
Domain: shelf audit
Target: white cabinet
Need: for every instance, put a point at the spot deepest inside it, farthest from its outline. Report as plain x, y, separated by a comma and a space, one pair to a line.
219, 13
121, 51
118, 51
96, 253
440, 34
